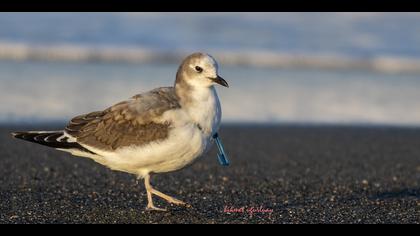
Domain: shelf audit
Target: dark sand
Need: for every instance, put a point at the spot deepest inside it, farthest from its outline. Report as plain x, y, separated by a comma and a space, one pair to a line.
303, 174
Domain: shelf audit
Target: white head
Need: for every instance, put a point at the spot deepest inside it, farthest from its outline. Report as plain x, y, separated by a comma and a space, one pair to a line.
199, 70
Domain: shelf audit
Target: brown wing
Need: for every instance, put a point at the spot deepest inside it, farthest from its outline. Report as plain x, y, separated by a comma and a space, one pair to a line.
132, 122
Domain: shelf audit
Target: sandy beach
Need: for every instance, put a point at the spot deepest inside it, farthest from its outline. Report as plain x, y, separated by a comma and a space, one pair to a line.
278, 174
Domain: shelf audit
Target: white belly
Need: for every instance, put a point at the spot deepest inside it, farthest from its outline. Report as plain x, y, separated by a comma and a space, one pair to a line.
183, 145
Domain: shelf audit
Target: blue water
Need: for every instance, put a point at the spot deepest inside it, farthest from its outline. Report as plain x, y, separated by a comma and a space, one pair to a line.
43, 91
361, 34
59, 91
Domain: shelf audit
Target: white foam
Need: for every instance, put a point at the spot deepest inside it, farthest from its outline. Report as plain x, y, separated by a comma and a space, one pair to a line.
258, 59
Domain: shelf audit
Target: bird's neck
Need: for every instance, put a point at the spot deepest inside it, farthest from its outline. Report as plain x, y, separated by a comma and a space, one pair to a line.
202, 105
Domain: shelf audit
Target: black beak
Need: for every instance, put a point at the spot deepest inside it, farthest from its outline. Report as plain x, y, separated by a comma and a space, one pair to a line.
220, 81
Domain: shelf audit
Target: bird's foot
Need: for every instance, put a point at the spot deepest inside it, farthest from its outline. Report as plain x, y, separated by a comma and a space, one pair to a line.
178, 202
153, 208
170, 199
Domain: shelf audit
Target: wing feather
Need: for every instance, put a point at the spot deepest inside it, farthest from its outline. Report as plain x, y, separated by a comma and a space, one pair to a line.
133, 122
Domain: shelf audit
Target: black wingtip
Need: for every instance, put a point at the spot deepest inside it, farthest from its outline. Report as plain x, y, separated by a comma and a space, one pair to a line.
18, 135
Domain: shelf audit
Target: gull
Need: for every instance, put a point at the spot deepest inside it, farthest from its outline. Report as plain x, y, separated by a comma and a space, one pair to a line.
158, 131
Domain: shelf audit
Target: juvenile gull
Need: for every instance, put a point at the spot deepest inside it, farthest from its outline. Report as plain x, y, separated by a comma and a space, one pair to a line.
159, 131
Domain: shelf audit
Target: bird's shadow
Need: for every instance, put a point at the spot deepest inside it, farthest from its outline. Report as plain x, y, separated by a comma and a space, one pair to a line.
402, 193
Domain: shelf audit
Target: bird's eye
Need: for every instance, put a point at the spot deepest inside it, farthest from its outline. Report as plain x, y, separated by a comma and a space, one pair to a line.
199, 69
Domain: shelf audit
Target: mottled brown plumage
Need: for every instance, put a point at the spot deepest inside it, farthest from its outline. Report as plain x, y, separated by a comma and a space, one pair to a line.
132, 122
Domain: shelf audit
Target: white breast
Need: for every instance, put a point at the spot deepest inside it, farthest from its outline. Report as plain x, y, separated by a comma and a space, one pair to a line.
206, 110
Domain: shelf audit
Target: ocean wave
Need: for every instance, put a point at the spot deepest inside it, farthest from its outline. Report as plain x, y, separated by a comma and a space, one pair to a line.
259, 59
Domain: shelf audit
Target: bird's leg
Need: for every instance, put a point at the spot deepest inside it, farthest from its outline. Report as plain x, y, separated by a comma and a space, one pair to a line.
162, 195
149, 189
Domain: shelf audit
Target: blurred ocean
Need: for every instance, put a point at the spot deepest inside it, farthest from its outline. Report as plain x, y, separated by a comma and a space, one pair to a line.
282, 67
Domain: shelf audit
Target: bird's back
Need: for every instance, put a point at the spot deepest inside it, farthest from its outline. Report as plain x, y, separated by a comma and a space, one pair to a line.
136, 121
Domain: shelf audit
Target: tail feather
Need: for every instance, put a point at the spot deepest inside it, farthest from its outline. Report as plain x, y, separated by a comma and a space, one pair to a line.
54, 139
